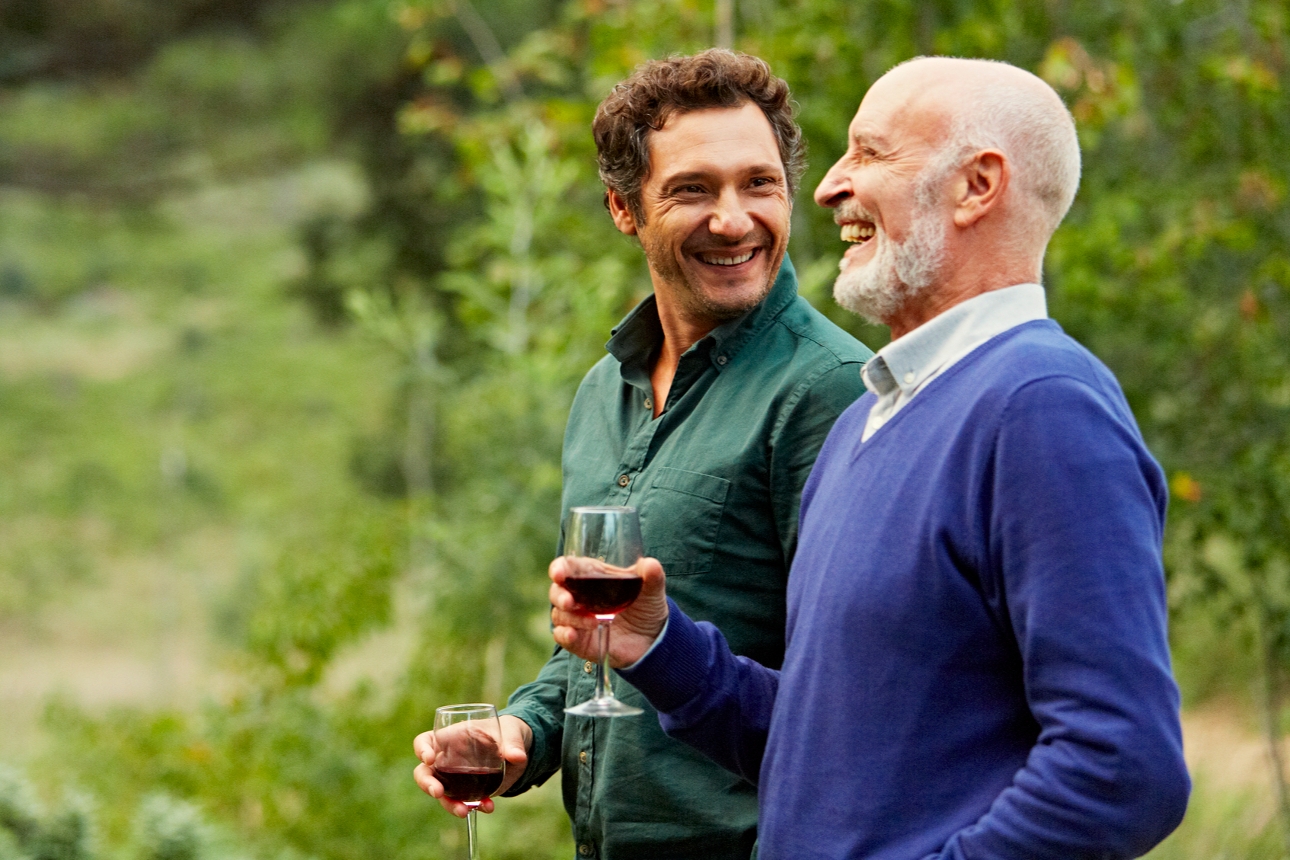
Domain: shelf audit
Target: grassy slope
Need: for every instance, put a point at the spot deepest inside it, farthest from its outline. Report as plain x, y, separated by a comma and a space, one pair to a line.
167, 414
169, 419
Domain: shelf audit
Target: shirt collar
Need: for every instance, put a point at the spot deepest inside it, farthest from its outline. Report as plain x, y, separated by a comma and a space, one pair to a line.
636, 340
907, 362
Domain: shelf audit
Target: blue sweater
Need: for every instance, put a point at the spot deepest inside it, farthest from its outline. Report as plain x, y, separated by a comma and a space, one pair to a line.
977, 663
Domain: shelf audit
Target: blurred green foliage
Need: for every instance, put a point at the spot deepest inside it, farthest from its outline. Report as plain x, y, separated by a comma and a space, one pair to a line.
294, 297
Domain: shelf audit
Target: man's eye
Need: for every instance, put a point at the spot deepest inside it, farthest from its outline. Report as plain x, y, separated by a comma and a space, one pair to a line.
762, 182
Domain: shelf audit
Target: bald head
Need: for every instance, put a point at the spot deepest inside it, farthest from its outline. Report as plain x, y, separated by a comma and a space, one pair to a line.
975, 105
956, 174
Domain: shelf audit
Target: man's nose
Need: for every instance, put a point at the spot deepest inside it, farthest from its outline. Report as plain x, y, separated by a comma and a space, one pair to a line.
833, 188
730, 219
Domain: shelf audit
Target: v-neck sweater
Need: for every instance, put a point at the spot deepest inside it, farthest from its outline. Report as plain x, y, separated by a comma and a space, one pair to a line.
977, 662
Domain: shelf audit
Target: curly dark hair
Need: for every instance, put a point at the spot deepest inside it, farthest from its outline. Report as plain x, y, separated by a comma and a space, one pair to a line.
715, 78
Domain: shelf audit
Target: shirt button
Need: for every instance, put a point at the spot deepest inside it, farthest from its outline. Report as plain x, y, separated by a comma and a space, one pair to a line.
584, 849
909, 377
588, 667
624, 480
582, 756
649, 403
721, 359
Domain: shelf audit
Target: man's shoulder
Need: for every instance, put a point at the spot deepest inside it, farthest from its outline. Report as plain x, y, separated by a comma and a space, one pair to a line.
816, 335
1013, 369
606, 369
1040, 350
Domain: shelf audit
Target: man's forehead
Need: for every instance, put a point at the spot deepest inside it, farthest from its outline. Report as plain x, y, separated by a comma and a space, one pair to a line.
714, 115
711, 133
892, 114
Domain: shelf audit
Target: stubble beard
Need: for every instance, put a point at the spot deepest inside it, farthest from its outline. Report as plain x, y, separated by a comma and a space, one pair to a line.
695, 302
898, 272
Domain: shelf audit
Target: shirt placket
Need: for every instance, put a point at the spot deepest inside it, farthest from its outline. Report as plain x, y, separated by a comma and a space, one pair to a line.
618, 491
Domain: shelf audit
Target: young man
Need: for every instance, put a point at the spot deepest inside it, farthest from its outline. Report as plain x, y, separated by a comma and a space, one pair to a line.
706, 416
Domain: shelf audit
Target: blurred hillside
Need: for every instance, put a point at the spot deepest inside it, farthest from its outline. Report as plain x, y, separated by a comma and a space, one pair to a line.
293, 300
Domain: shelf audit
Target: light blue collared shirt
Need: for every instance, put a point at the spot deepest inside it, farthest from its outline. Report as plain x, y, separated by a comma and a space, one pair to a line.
903, 367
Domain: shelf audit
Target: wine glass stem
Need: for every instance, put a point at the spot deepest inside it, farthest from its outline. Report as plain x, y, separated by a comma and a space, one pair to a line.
603, 688
472, 840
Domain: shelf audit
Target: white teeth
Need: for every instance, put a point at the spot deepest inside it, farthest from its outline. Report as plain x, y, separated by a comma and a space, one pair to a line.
853, 232
727, 261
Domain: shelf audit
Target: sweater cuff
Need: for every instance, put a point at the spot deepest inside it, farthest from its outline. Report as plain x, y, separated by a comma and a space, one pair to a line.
675, 668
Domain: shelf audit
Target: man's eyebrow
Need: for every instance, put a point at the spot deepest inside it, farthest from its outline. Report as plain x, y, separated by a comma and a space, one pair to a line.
866, 138
686, 176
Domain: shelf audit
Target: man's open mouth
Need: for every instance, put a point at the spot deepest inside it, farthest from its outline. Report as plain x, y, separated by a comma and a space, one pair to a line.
714, 259
858, 231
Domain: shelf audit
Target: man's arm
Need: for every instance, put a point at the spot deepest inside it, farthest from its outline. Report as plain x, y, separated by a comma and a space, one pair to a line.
1075, 524
707, 697
797, 437
540, 704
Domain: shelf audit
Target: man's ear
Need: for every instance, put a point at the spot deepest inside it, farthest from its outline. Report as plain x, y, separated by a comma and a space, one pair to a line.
624, 220
981, 186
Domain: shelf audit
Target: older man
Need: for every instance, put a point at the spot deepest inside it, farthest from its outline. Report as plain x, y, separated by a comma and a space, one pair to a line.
706, 416
977, 663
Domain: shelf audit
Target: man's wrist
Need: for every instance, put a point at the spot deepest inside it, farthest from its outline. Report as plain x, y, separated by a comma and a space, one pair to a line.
650, 649
675, 668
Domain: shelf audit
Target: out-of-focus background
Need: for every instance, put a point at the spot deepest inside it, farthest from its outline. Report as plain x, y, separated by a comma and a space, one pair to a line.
294, 295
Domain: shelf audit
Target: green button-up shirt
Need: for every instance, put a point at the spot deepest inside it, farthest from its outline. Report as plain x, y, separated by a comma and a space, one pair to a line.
717, 478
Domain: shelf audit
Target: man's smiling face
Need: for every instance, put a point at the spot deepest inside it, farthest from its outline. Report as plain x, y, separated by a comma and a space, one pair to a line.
716, 210
889, 195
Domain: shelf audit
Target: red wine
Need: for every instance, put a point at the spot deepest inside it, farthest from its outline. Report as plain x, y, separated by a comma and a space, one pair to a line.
604, 595
469, 784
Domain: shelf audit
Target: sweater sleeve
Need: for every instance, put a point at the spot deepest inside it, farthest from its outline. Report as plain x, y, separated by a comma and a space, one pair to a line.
540, 703
707, 697
1074, 524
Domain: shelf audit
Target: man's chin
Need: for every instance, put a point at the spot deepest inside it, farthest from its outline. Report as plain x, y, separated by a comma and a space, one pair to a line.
728, 303
724, 310
862, 292
731, 299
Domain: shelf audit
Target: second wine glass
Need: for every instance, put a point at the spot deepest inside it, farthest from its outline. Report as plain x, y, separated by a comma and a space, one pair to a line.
603, 544
468, 759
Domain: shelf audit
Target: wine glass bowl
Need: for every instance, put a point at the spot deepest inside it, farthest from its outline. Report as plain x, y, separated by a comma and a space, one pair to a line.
468, 759
603, 590
602, 545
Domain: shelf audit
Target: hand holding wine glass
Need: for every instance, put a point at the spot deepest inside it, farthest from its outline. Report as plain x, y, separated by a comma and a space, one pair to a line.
602, 545
517, 739
467, 762
635, 628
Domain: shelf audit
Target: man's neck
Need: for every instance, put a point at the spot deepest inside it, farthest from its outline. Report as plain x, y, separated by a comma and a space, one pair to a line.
680, 332
939, 298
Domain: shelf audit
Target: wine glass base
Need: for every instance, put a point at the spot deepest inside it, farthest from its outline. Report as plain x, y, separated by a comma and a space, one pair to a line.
606, 706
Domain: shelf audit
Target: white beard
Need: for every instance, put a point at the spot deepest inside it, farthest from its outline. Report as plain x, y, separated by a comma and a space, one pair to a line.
878, 289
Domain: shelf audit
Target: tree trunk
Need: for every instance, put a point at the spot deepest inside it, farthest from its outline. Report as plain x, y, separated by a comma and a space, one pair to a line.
1273, 702
725, 24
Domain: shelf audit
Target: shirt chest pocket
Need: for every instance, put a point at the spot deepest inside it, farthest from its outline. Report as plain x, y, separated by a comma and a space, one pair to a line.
680, 519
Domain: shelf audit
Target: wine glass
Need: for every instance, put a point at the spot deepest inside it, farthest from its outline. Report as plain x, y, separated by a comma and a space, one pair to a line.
602, 544
468, 758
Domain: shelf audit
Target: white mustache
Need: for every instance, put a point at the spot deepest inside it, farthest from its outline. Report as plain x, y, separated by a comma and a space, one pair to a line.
853, 211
